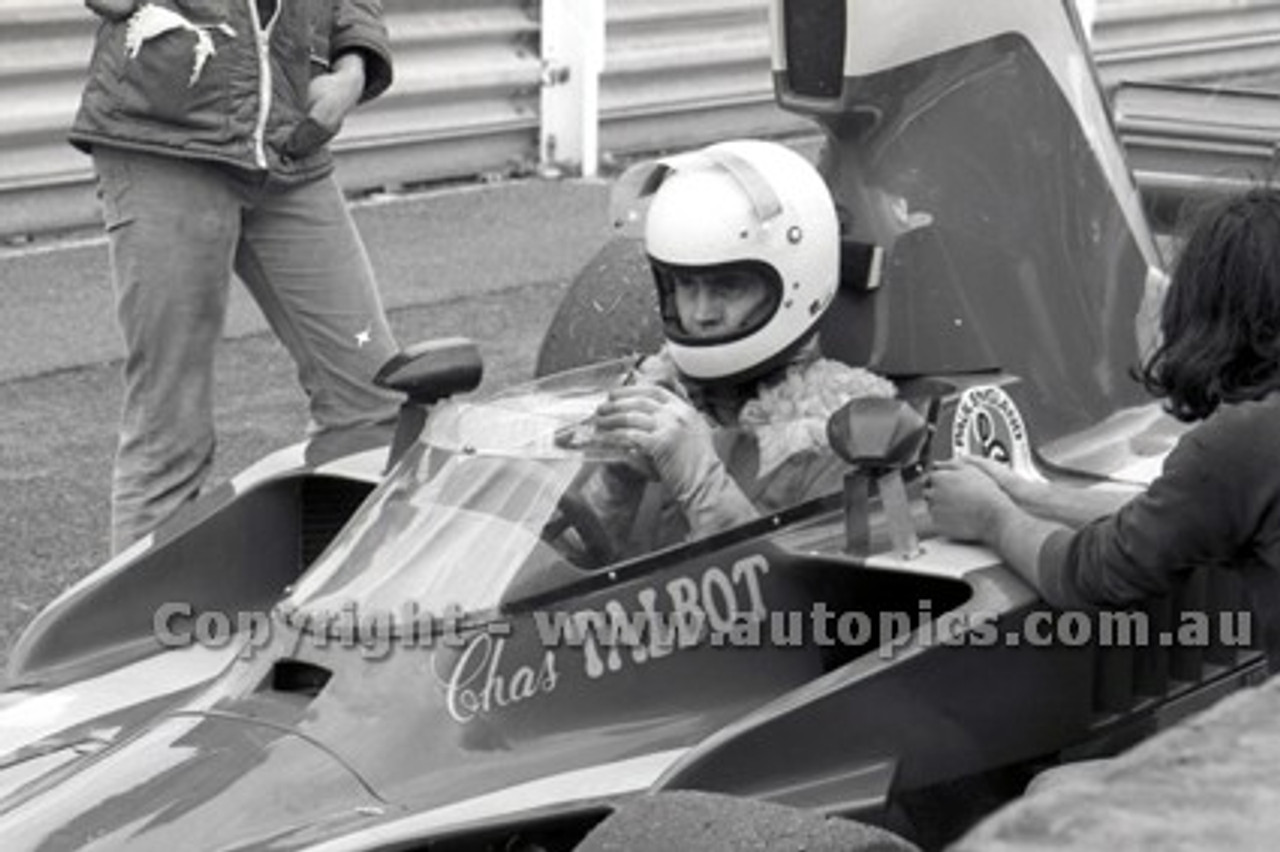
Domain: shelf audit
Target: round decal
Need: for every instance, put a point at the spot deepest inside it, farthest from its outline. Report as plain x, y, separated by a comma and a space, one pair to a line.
989, 424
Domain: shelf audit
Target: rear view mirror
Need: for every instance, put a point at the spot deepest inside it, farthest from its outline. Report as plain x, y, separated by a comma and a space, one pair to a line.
427, 373
430, 371
880, 438
877, 434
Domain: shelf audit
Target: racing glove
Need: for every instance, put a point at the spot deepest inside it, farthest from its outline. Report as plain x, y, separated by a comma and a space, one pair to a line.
677, 441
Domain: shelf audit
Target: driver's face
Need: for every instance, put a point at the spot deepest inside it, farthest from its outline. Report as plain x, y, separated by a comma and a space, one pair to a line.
712, 304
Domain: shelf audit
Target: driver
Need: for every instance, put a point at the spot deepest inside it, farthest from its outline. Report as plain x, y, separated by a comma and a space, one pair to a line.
730, 415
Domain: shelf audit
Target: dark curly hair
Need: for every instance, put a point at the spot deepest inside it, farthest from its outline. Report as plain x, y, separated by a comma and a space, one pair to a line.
1220, 323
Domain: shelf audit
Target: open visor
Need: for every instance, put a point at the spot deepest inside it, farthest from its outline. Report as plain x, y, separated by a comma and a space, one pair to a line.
635, 188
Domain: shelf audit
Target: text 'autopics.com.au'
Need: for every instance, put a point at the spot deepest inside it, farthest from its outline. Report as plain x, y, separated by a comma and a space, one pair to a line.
653, 632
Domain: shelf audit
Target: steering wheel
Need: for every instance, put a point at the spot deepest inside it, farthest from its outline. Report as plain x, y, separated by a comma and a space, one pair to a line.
572, 512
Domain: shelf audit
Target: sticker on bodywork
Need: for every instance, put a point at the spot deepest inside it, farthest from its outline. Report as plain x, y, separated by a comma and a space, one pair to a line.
988, 424
713, 607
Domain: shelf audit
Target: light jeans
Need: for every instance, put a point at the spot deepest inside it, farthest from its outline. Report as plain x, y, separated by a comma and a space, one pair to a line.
177, 229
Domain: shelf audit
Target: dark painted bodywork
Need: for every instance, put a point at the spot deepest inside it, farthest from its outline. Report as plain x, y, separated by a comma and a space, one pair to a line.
986, 171
969, 143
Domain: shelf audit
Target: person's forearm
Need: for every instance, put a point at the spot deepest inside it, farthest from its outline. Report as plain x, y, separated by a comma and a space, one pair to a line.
351, 62
1072, 506
350, 67
1018, 537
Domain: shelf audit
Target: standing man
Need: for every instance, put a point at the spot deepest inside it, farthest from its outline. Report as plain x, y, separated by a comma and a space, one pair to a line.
208, 121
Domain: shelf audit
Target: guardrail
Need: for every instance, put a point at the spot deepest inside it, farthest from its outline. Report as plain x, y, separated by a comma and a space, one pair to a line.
1185, 143
679, 73
1185, 40
465, 103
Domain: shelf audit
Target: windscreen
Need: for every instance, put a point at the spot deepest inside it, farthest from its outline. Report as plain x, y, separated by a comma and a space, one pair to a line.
518, 496
486, 498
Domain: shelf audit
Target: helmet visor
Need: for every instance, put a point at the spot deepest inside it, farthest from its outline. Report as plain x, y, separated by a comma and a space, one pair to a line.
716, 304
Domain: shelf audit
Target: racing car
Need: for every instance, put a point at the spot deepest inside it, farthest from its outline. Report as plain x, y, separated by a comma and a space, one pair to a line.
438, 644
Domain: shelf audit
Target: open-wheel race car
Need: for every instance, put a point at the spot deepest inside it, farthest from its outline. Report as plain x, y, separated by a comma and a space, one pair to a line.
442, 644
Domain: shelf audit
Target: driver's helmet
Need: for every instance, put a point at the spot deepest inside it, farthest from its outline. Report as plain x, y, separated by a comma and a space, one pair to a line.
744, 208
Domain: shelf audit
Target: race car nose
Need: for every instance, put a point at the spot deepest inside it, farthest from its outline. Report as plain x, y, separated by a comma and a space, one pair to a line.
192, 781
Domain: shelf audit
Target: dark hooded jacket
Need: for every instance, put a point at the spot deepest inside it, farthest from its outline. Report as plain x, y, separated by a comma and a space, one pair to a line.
212, 80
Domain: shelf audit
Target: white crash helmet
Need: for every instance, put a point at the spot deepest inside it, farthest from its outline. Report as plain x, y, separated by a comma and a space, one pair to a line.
744, 206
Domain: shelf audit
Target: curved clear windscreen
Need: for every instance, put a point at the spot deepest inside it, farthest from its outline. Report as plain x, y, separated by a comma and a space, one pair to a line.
490, 497
513, 497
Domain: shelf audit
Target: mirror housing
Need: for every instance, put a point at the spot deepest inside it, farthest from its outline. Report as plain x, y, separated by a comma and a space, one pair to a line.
880, 438
426, 373
875, 433
432, 370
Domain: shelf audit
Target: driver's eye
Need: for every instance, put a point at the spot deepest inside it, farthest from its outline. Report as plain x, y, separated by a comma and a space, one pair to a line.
724, 287
713, 287
728, 285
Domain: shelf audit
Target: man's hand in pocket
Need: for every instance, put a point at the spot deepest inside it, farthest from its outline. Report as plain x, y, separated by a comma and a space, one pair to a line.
333, 95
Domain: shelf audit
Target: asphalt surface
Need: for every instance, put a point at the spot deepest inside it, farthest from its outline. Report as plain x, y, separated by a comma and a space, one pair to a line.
708, 822
489, 262
56, 307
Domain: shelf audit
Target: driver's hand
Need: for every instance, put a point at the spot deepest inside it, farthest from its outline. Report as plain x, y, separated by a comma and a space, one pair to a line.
663, 426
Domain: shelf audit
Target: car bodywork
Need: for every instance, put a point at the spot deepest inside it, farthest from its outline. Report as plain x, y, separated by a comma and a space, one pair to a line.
416, 657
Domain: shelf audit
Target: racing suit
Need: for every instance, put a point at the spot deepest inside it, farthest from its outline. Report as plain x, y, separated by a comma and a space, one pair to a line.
209, 158
771, 452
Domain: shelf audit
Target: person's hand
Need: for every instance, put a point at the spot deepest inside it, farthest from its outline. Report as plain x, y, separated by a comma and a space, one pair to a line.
331, 96
663, 426
1014, 484
657, 370
112, 10
964, 500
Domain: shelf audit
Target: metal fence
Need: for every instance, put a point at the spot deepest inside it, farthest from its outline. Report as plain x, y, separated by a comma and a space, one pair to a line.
679, 73
468, 78
1186, 40
1188, 144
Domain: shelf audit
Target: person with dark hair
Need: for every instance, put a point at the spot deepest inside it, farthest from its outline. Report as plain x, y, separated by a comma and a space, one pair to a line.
208, 125
1217, 501
730, 415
